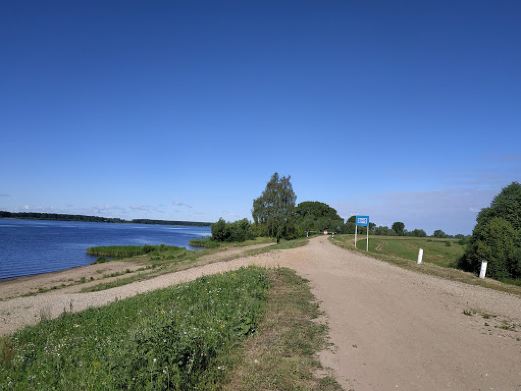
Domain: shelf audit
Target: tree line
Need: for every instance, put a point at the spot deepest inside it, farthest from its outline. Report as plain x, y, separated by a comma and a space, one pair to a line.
97, 219
275, 214
496, 237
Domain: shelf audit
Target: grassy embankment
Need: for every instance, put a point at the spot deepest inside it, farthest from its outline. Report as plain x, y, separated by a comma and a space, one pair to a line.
249, 329
440, 257
165, 259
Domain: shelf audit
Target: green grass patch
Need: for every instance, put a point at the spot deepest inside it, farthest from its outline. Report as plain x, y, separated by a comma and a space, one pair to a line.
210, 243
130, 251
205, 243
177, 338
282, 355
439, 263
442, 252
510, 281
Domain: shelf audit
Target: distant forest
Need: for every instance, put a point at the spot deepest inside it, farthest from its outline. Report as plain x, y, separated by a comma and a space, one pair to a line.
67, 217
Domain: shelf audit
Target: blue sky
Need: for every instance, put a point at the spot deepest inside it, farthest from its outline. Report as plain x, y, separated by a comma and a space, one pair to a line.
402, 110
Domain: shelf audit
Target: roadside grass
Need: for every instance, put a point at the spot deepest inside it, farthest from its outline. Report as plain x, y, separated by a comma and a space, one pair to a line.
174, 338
205, 243
283, 245
254, 328
442, 252
282, 354
166, 262
435, 268
209, 243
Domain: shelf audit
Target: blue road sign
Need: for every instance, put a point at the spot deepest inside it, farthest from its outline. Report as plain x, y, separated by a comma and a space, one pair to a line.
362, 221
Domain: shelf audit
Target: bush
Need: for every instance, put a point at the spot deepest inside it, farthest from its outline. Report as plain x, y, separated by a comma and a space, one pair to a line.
494, 242
237, 231
419, 233
497, 237
439, 234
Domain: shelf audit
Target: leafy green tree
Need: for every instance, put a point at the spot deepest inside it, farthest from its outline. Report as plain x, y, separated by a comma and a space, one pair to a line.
496, 237
317, 216
384, 230
399, 228
219, 230
439, 234
275, 206
237, 231
495, 242
419, 233
507, 204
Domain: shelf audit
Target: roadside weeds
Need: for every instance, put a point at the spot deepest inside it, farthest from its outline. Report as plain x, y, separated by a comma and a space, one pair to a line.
283, 353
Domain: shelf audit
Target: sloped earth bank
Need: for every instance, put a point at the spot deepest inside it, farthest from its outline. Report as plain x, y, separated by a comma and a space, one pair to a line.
392, 328
73, 280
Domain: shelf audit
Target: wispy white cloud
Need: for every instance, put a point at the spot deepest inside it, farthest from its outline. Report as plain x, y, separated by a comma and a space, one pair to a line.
181, 204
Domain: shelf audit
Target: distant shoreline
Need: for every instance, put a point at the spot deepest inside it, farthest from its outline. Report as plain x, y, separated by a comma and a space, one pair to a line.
97, 219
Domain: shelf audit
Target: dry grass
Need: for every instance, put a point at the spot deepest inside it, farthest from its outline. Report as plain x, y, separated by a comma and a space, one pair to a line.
282, 355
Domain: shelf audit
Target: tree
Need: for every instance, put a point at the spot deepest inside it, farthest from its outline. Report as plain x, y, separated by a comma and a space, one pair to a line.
495, 242
384, 230
507, 204
237, 231
439, 234
496, 237
419, 233
317, 216
275, 206
219, 230
399, 228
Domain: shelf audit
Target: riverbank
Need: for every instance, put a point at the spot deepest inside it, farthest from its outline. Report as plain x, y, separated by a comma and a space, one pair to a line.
100, 276
30, 247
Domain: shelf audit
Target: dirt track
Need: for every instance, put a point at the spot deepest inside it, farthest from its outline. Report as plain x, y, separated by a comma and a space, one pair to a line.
393, 329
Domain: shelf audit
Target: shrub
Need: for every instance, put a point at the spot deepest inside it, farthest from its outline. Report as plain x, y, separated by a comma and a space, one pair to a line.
237, 231
419, 233
494, 242
497, 236
439, 234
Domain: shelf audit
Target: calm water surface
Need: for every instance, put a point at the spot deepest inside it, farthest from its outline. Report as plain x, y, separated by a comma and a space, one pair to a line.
37, 246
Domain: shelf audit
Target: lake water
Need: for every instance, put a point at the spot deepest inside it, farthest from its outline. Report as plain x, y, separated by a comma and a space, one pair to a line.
37, 246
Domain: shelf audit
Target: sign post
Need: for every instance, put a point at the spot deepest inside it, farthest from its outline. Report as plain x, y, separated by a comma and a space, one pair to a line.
483, 270
420, 256
362, 221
